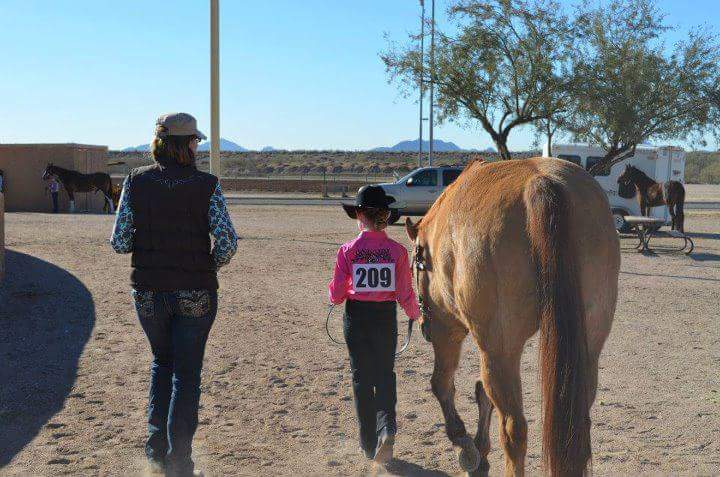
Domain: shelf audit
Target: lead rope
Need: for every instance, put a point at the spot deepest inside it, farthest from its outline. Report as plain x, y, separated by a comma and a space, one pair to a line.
402, 349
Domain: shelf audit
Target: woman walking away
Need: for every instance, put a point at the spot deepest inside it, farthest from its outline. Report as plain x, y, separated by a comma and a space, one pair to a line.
372, 273
166, 215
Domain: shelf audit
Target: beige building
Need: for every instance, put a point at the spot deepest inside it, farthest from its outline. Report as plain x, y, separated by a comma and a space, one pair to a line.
23, 166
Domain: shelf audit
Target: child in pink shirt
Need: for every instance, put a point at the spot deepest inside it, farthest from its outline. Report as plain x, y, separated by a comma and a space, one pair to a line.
372, 273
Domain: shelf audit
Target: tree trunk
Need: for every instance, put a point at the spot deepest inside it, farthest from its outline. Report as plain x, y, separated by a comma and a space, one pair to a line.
549, 138
502, 149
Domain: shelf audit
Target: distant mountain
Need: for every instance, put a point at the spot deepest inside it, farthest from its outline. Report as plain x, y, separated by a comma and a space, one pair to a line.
140, 148
225, 145
414, 146
268, 149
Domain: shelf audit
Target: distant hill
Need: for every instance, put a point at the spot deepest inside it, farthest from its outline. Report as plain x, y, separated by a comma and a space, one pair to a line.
268, 149
225, 145
413, 146
702, 167
140, 148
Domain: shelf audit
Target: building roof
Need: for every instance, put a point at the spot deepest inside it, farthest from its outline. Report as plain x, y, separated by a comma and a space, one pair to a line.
44, 145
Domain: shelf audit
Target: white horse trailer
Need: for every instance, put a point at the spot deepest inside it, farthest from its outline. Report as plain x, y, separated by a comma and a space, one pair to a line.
660, 164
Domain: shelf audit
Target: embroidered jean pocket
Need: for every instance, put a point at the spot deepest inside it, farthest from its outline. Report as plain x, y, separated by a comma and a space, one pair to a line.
193, 303
144, 303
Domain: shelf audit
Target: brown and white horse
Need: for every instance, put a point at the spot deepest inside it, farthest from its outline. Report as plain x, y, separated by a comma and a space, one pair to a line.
508, 249
74, 181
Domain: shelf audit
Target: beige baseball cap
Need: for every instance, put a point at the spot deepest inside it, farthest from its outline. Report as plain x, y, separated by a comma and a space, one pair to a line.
180, 124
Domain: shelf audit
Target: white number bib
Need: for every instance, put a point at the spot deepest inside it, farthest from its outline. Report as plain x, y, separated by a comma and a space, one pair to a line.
374, 277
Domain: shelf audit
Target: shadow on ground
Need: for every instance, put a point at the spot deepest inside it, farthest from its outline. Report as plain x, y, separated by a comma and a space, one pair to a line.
46, 317
399, 467
704, 235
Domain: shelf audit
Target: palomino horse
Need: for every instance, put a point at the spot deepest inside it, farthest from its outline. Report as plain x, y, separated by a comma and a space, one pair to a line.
74, 181
652, 194
509, 248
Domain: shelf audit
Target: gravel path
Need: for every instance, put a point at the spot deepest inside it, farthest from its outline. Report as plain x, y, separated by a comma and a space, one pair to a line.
276, 393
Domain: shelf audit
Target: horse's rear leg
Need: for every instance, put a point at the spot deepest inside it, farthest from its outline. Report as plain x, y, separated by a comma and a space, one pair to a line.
447, 342
680, 214
501, 379
672, 208
482, 438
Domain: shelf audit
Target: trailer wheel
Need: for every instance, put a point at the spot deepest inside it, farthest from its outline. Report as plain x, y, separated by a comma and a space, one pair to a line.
619, 219
394, 216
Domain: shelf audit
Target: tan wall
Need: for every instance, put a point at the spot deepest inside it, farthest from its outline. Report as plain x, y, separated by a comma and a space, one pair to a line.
24, 164
2, 237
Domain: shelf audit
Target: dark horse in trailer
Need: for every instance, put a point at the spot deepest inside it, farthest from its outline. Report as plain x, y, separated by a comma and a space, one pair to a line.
74, 181
653, 194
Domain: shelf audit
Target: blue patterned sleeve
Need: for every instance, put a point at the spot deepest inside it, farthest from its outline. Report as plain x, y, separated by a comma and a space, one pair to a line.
124, 230
221, 228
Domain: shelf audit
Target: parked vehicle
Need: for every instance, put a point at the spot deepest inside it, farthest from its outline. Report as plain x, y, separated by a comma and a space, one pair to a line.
416, 192
659, 163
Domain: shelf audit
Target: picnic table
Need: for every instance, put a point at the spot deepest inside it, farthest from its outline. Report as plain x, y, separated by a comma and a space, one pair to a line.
649, 227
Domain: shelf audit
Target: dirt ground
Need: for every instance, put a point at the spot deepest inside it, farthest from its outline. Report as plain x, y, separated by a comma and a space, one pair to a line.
276, 392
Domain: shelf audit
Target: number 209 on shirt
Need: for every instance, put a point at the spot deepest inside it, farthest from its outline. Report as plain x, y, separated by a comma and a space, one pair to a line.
374, 277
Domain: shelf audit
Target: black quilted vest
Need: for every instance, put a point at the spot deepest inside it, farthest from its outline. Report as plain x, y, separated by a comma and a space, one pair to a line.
171, 249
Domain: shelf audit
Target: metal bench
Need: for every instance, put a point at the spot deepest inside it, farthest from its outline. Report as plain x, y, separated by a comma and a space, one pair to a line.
649, 227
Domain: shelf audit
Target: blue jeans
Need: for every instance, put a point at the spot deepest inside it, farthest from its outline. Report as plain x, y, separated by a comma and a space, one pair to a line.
177, 325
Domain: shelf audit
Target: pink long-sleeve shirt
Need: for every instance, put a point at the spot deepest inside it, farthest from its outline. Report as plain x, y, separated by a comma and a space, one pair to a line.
373, 267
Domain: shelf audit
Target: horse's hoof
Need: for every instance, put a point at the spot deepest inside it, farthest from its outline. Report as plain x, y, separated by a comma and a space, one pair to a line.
483, 469
468, 455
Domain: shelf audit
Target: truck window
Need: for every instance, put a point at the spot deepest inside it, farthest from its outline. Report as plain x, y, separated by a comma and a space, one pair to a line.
591, 161
426, 178
449, 176
570, 158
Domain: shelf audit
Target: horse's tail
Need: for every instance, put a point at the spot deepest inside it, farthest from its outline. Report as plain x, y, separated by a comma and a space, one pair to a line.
680, 207
563, 341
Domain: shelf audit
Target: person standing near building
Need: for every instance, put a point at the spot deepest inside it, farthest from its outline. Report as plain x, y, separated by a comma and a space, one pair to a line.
54, 188
168, 211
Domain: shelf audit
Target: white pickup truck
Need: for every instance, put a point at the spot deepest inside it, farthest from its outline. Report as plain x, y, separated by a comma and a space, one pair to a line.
415, 193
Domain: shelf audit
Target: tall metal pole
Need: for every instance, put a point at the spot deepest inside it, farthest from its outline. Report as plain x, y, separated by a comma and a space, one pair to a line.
215, 165
432, 84
422, 79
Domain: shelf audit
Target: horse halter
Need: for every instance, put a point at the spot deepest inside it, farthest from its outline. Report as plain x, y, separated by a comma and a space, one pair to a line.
420, 265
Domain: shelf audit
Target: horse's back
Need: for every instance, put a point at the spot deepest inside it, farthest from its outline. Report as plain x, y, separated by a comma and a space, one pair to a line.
486, 215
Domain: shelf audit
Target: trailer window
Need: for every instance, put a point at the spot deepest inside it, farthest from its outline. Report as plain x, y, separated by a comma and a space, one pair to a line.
449, 176
591, 161
570, 158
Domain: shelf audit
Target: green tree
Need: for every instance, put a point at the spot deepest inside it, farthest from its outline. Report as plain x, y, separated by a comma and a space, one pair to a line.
505, 65
635, 89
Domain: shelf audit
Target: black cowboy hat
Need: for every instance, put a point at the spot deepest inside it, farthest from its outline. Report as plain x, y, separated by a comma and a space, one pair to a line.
368, 197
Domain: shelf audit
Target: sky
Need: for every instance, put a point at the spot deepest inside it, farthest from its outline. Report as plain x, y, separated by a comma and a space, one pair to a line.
295, 74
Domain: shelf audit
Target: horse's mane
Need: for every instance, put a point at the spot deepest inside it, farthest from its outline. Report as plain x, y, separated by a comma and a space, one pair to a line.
53, 166
430, 215
640, 176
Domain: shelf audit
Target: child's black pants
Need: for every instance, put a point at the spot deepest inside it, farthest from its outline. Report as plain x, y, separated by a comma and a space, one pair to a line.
371, 335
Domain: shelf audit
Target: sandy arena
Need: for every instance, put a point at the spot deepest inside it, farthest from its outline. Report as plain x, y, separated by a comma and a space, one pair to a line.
276, 392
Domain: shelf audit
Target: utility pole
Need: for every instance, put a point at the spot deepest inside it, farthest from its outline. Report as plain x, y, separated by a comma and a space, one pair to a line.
432, 84
215, 165
422, 79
